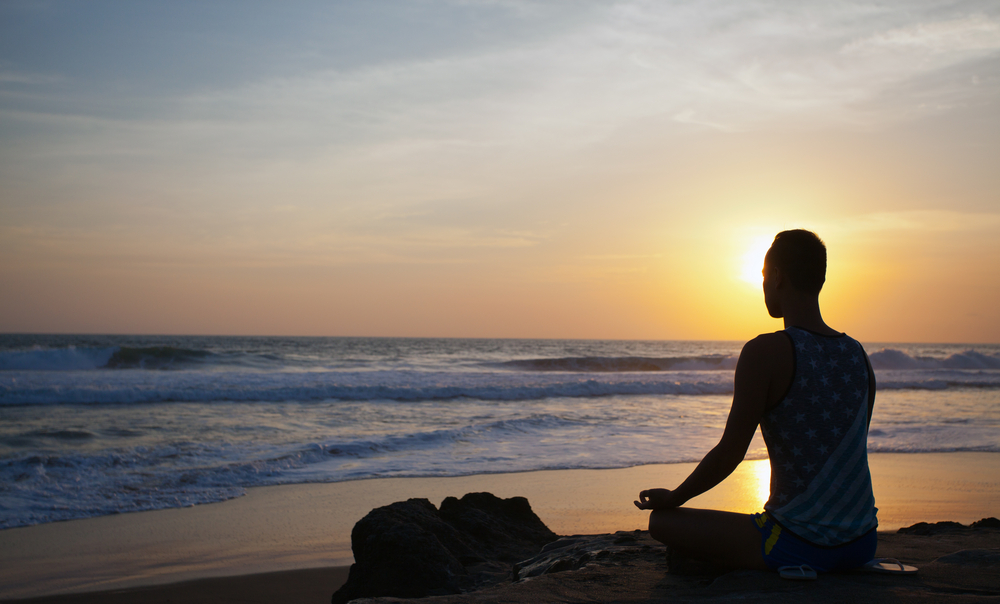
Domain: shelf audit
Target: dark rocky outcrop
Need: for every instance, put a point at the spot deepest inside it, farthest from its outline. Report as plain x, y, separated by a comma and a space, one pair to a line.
629, 568
992, 523
411, 549
503, 529
573, 553
940, 528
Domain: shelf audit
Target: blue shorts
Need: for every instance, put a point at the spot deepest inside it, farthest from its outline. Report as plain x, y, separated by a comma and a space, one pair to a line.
780, 547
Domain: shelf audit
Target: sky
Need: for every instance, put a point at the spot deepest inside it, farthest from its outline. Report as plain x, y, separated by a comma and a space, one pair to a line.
507, 168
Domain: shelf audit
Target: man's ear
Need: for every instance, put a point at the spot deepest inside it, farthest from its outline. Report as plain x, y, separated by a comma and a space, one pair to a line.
777, 276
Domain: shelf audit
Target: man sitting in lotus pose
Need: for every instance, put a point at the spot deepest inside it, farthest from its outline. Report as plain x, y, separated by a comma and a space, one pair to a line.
811, 390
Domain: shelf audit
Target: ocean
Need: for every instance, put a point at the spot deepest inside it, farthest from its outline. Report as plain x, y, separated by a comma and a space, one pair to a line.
96, 425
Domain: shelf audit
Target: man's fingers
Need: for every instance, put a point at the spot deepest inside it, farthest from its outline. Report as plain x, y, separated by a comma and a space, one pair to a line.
643, 502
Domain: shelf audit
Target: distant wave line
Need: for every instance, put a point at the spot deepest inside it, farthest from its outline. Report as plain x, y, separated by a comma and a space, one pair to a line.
14, 394
74, 358
621, 364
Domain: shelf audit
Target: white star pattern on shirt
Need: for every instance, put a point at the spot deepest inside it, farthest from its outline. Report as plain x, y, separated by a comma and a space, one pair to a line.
827, 378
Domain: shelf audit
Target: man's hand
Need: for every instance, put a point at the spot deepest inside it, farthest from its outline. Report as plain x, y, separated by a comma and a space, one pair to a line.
656, 499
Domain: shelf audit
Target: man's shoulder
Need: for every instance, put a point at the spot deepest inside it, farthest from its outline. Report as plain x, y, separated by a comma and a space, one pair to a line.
777, 342
767, 351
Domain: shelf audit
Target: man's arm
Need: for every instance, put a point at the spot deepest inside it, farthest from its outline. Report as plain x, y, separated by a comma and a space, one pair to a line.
753, 382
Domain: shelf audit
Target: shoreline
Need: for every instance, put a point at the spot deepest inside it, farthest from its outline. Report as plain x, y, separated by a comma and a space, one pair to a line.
306, 527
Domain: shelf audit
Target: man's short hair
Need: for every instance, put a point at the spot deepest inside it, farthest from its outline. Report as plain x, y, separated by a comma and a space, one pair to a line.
801, 255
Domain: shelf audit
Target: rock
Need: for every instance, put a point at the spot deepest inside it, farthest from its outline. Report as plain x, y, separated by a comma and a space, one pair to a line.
404, 549
935, 528
941, 528
505, 529
410, 549
572, 553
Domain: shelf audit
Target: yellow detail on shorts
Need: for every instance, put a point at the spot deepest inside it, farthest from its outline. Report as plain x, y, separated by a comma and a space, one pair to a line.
769, 544
761, 520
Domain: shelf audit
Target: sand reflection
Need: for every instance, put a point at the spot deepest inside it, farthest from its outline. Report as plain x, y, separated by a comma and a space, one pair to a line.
745, 491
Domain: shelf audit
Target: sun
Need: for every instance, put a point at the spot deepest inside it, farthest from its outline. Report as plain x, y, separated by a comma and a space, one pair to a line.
753, 260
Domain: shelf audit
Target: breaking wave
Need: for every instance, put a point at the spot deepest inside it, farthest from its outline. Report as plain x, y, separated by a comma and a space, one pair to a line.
622, 364
107, 387
73, 358
889, 358
150, 387
58, 359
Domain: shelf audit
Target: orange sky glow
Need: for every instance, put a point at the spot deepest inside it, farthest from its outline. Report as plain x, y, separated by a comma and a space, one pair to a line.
614, 174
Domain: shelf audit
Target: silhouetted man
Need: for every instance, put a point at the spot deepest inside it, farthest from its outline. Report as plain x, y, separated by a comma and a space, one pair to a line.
811, 389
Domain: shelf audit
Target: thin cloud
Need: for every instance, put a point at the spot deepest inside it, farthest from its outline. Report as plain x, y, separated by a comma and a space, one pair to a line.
929, 221
972, 33
722, 66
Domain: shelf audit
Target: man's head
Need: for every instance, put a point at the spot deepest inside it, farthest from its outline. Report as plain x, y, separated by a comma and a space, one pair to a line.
801, 257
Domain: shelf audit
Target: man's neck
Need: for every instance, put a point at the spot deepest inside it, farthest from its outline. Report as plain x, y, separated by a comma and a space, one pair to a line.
803, 311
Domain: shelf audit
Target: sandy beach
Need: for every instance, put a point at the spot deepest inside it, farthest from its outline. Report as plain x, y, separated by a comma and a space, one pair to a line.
267, 268
298, 536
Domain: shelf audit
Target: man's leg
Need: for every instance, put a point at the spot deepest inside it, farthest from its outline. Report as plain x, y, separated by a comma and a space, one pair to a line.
724, 538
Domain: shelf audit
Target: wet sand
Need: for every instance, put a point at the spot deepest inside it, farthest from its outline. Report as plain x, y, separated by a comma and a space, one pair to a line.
293, 586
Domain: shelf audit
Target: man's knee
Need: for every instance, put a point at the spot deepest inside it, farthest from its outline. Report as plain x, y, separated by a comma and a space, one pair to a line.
660, 522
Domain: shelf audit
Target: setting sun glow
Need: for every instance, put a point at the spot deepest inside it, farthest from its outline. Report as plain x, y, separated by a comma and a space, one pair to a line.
753, 260
616, 173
